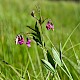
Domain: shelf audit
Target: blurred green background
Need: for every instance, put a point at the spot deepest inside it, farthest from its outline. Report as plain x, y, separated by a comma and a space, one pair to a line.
15, 15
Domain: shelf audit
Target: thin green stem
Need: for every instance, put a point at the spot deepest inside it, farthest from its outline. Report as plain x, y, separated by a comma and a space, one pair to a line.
47, 77
26, 69
50, 42
11, 67
66, 73
67, 69
28, 75
58, 76
32, 64
72, 47
38, 58
70, 36
2, 75
75, 52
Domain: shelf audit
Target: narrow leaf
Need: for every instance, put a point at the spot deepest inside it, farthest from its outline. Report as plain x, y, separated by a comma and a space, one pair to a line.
56, 57
12, 68
36, 27
67, 69
44, 20
48, 65
37, 40
30, 28
75, 66
70, 36
34, 34
60, 51
40, 20
37, 31
50, 59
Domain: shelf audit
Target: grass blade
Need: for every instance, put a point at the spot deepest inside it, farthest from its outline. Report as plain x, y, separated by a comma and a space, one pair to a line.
26, 69
70, 36
67, 69
71, 47
28, 75
39, 62
11, 67
76, 67
77, 58
32, 64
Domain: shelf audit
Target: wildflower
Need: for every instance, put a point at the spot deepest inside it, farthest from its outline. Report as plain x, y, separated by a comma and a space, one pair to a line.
19, 39
28, 42
49, 25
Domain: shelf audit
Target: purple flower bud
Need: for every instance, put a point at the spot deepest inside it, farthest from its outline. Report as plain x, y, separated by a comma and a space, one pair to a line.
28, 42
19, 39
49, 25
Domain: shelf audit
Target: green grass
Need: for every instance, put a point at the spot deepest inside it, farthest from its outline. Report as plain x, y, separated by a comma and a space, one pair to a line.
15, 15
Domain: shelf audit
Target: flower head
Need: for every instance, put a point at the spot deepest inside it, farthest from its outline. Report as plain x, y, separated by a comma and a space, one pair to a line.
28, 42
19, 39
49, 25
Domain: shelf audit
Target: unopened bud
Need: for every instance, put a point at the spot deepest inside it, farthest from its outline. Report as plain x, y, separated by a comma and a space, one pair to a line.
32, 14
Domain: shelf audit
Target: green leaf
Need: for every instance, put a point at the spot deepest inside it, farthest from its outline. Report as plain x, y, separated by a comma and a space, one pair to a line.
60, 51
37, 40
41, 20
56, 57
50, 59
34, 34
48, 65
30, 28
36, 27
44, 20
37, 31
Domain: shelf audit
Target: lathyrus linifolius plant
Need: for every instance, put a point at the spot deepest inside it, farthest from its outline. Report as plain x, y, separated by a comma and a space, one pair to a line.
37, 32
52, 62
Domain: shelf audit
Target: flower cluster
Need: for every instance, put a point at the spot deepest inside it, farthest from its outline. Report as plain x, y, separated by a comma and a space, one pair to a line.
28, 42
20, 40
49, 25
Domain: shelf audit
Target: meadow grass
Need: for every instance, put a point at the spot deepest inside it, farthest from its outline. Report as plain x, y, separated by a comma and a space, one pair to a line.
26, 62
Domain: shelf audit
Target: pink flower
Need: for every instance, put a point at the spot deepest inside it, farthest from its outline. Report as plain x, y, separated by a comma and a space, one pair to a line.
19, 39
49, 25
28, 42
